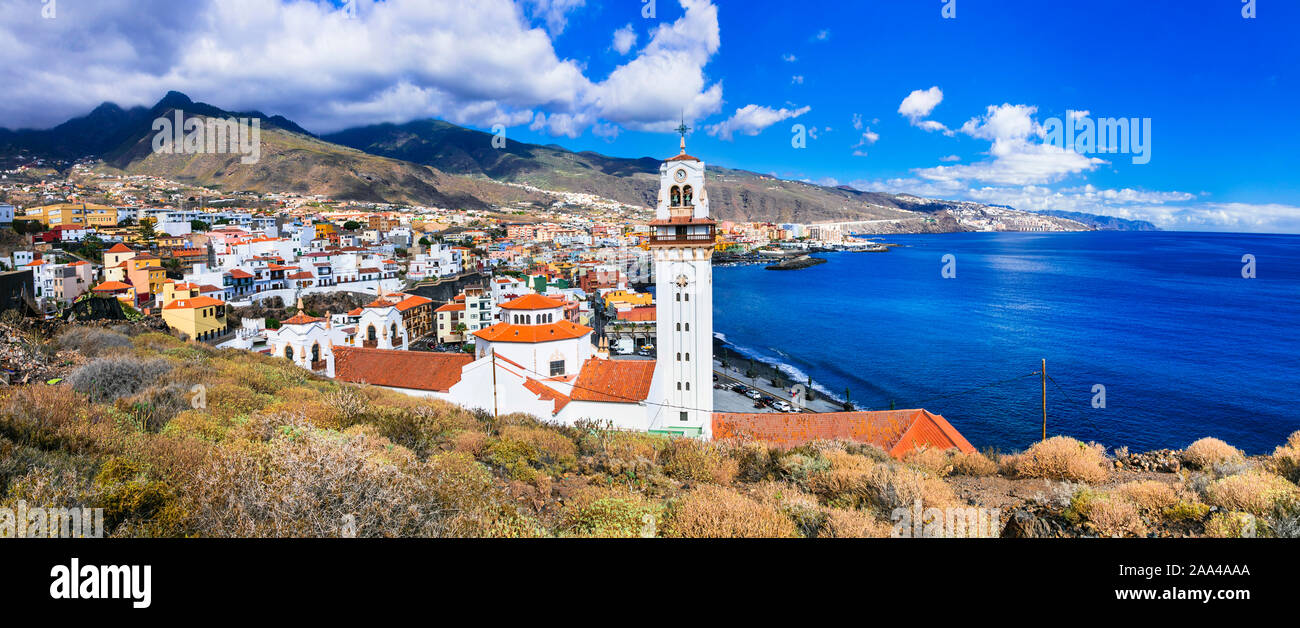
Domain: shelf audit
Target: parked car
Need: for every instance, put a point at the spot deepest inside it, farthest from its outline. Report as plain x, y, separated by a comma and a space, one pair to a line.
755, 395
783, 406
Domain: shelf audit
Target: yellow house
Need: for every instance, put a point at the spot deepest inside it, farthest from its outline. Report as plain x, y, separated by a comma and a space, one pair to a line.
172, 291
84, 214
199, 318
625, 297
326, 231
146, 273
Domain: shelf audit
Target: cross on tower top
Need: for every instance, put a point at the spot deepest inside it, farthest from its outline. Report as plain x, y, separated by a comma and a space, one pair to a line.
683, 130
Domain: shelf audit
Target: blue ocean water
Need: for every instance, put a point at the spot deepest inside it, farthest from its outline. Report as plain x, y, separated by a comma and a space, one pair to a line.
1184, 345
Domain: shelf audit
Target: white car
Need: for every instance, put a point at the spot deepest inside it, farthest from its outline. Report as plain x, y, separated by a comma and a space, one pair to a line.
783, 406
754, 394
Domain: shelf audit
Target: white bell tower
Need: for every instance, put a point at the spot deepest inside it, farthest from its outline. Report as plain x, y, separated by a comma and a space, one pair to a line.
682, 239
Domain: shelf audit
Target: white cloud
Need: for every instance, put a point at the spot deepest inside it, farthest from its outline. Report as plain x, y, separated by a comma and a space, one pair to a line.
868, 138
797, 79
478, 63
920, 103
823, 35
950, 158
625, 39
789, 58
555, 12
752, 119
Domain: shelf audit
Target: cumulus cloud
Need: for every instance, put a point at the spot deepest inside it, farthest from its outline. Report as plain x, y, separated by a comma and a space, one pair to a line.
868, 138
752, 119
1018, 155
789, 58
625, 39
919, 104
479, 63
555, 12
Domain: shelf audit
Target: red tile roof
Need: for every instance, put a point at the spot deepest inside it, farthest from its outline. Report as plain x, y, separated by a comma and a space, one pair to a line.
895, 431
240, 274
112, 286
506, 332
452, 307
533, 302
119, 248
302, 319
416, 370
411, 302
546, 393
192, 304
614, 381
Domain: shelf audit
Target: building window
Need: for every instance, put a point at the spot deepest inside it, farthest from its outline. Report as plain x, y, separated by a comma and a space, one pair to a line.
685, 416
557, 368
679, 385
688, 357
688, 296
688, 326
679, 296
679, 326
688, 385
679, 357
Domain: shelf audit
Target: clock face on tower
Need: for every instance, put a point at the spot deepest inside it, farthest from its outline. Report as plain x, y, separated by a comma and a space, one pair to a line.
682, 281
680, 175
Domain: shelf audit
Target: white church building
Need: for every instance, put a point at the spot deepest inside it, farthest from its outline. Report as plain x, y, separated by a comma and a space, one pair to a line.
534, 361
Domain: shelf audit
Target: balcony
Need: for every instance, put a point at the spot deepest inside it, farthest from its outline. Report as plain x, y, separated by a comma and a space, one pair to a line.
664, 239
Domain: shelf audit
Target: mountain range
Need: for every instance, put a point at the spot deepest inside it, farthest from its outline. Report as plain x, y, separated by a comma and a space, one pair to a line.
431, 162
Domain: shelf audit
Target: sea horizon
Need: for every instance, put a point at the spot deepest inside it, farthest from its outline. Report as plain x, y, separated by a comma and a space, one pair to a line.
1164, 320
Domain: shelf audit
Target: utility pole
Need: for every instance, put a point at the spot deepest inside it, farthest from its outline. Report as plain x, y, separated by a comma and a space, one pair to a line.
1043, 377
495, 413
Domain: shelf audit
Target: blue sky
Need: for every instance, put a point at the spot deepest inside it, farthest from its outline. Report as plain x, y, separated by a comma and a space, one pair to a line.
894, 97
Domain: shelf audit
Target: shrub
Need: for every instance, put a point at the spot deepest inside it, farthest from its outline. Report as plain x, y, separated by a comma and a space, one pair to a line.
1231, 525
930, 459
718, 512
754, 461
1255, 492
1285, 460
973, 464
1208, 452
1061, 458
611, 514
309, 483
854, 524
1151, 496
691, 460
54, 418
110, 379
799, 506
1186, 511
890, 487
94, 342
1109, 514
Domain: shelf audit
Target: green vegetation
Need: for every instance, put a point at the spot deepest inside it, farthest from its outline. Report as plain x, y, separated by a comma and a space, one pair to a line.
178, 439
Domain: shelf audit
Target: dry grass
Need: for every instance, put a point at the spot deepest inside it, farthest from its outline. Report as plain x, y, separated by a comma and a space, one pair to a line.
1256, 492
1230, 525
854, 524
937, 462
1151, 497
973, 464
1208, 452
1061, 458
1108, 514
690, 460
710, 511
1285, 460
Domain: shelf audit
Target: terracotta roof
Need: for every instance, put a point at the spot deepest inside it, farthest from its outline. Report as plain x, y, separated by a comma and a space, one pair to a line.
416, 370
614, 381
111, 286
533, 302
411, 302
302, 275
191, 304
683, 157
240, 274
452, 307
683, 220
546, 393
120, 248
302, 319
895, 431
506, 332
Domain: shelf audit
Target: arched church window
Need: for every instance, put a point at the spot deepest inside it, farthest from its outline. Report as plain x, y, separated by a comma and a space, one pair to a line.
393, 335
288, 352
688, 195
676, 196
315, 352
371, 334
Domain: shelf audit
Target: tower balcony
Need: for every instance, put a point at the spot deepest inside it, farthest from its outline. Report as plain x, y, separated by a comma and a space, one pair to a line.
683, 232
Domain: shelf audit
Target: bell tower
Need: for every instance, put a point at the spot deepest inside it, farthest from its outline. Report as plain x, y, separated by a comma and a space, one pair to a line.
682, 239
